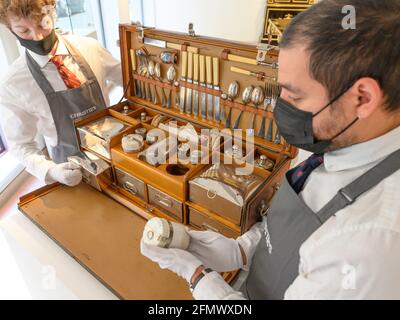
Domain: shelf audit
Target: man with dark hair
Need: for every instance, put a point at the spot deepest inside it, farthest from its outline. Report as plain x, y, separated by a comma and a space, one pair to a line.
333, 229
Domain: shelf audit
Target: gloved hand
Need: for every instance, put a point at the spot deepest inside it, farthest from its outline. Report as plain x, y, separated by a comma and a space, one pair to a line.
222, 254
181, 262
66, 173
216, 251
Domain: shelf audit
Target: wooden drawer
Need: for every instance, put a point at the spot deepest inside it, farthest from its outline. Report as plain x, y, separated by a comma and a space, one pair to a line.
201, 221
214, 202
165, 203
131, 184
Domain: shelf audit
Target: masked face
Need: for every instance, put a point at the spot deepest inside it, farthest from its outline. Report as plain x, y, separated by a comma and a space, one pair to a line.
41, 47
39, 38
296, 126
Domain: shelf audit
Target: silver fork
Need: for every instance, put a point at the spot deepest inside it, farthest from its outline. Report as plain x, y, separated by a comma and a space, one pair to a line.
271, 109
278, 139
275, 94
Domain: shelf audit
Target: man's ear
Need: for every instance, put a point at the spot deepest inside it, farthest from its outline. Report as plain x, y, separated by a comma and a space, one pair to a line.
369, 96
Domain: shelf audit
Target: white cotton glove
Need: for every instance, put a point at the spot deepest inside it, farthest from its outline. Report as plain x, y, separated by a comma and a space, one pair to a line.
66, 173
216, 251
223, 254
181, 262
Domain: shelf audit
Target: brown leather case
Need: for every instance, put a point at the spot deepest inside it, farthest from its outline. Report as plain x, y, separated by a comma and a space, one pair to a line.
103, 234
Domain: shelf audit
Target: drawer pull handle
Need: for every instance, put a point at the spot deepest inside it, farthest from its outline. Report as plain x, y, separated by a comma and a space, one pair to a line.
208, 227
263, 209
164, 201
211, 194
130, 188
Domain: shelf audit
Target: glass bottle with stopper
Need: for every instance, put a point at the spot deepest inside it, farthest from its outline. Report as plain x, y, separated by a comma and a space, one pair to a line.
143, 117
126, 110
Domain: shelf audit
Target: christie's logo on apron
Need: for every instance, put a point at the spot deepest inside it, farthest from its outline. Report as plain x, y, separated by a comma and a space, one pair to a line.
83, 113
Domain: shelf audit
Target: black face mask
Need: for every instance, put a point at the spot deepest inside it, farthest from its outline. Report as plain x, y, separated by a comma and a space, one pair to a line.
42, 47
296, 126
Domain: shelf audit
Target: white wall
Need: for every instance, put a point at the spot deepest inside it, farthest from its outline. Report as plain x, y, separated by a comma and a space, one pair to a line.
8, 48
238, 20
114, 13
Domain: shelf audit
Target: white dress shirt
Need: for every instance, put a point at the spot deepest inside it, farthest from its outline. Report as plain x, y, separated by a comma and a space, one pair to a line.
24, 111
356, 253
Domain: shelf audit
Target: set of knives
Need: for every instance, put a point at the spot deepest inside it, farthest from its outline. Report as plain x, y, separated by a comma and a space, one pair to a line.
201, 72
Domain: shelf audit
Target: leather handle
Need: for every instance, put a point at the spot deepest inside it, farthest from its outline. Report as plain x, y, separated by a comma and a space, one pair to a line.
209, 70
133, 60
190, 66
202, 68
196, 67
216, 71
184, 64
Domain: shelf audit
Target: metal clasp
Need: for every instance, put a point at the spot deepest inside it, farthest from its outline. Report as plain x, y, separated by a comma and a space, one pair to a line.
349, 199
191, 32
211, 194
140, 29
263, 51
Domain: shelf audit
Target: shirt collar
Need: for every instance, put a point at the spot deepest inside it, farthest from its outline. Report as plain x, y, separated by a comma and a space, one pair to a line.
363, 153
43, 60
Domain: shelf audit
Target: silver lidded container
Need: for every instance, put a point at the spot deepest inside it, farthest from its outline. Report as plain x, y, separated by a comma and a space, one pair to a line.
143, 117
166, 234
132, 143
264, 163
142, 132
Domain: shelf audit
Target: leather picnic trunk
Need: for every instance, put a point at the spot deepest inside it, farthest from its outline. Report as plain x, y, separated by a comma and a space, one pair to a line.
102, 229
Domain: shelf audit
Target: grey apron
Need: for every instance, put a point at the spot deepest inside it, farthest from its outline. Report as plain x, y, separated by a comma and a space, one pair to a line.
69, 105
290, 222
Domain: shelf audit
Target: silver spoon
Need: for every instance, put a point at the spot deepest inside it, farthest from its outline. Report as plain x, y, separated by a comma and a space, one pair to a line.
157, 71
257, 98
143, 58
140, 70
152, 75
233, 92
171, 75
246, 97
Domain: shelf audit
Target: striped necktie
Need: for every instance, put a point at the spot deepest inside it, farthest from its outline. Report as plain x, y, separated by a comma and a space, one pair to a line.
298, 176
70, 79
